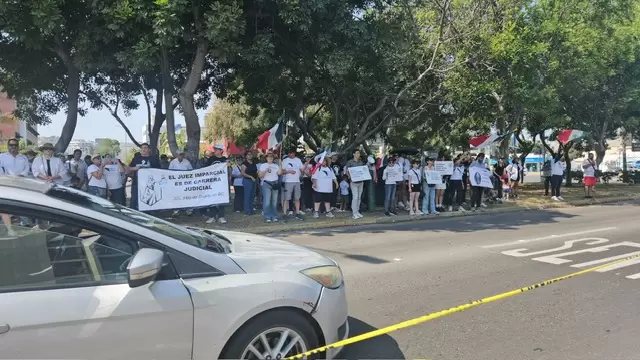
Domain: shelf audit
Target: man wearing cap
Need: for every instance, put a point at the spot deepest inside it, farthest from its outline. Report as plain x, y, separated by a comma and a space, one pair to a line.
140, 160
47, 167
216, 211
95, 172
77, 167
292, 168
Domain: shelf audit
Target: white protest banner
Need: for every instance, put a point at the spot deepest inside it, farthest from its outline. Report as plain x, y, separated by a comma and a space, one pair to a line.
479, 176
359, 173
443, 167
166, 189
433, 177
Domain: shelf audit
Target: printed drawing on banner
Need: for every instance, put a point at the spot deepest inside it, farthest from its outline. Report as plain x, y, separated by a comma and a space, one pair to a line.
479, 176
160, 189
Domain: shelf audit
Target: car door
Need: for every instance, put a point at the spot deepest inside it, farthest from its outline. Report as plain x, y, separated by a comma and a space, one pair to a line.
64, 294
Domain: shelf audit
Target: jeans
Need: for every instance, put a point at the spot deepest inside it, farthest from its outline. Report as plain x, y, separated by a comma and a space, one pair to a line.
556, 183
429, 199
118, 196
249, 195
97, 191
547, 183
356, 192
238, 198
269, 202
389, 197
133, 204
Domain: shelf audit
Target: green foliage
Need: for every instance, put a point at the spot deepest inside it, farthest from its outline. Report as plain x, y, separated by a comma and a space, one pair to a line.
108, 146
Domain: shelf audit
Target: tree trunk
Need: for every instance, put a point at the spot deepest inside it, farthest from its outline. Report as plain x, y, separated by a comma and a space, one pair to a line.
167, 84
600, 150
567, 159
73, 90
186, 94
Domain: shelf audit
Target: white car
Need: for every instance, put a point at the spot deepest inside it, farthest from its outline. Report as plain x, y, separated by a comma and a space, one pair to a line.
95, 280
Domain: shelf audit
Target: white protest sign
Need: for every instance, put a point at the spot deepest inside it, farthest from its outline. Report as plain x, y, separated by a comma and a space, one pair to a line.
166, 189
480, 176
394, 173
359, 173
443, 167
433, 177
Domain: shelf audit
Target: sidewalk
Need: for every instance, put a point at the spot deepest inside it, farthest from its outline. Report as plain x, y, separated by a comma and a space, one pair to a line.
531, 199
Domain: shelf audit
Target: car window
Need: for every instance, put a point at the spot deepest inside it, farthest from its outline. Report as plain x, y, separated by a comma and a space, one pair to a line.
39, 254
204, 240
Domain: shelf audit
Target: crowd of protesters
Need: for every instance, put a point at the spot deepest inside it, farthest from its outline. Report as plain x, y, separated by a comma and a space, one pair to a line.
292, 185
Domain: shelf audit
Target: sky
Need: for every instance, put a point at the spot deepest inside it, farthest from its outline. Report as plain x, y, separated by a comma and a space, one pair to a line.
100, 124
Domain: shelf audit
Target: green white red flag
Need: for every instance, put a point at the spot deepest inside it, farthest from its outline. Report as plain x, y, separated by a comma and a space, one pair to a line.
567, 135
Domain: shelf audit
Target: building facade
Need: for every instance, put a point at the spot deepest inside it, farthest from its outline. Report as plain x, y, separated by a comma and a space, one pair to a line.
11, 127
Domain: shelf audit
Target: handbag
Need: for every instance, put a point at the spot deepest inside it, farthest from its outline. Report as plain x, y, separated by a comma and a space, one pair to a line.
275, 185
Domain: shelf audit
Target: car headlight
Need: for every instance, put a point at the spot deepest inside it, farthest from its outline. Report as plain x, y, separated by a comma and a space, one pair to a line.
328, 276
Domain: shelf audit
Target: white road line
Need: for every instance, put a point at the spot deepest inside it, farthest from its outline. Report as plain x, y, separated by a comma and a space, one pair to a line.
634, 276
550, 237
618, 265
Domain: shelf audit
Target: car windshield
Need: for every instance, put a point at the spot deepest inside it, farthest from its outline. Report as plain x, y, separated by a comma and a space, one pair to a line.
200, 238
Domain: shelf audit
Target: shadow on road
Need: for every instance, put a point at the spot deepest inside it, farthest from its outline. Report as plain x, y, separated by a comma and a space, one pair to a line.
460, 224
381, 347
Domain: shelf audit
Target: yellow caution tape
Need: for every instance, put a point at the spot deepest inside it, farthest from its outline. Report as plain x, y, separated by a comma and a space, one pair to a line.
439, 314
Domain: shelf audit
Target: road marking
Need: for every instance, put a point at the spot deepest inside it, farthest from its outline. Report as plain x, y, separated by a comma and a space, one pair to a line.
567, 245
557, 259
609, 259
550, 237
617, 266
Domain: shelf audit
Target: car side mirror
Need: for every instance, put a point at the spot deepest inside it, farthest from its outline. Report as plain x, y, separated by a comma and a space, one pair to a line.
144, 267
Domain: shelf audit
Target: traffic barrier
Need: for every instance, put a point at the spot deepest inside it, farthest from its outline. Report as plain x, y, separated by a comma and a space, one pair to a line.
442, 313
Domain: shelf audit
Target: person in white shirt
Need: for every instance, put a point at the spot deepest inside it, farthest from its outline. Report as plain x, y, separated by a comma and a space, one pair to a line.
180, 163
78, 167
47, 167
415, 188
557, 172
456, 186
324, 180
391, 175
238, 189
113, 174
589, 171
292, 169
513, 172
97, 182
269, 172
12, 162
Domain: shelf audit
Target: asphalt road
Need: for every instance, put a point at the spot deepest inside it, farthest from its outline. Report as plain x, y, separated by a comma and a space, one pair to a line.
397, 272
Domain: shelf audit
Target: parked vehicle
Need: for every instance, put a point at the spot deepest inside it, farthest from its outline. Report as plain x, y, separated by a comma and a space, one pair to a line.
91, 279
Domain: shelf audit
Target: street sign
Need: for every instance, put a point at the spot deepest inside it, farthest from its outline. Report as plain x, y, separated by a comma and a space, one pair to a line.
635, 147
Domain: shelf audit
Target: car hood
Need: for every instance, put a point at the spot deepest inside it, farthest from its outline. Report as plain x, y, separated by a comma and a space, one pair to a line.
255, 253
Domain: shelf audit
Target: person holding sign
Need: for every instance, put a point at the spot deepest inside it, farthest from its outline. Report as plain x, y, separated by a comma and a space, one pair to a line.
431, 178
270, 174
415, 187
477, 180
324, 180
357, 186
392, 174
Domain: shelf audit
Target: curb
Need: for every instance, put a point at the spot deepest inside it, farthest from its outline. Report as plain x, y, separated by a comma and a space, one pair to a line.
337, 223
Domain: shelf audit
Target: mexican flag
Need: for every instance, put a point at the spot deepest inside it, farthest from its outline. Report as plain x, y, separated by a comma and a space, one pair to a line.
570, 135
484, 141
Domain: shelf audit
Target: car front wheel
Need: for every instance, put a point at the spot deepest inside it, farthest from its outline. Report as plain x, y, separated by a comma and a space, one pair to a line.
273, 335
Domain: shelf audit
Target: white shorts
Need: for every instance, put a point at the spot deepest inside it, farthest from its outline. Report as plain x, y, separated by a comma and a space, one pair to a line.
441, 186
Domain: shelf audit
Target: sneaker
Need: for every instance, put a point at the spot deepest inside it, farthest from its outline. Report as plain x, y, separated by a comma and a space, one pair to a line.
360, 216
329, 215
316, 215
400, 204
301, 213
267, 220
450, 209
560, 198
222, 220
211, 220
483, 205
418, 212
412, 213
275, 220
355, 217
386, 213
176, 212
393, 213
436, 213
299, 216
554, 198
290, 213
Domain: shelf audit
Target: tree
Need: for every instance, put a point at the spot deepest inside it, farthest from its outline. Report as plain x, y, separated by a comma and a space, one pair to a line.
44, 48
226, 120
108, 146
